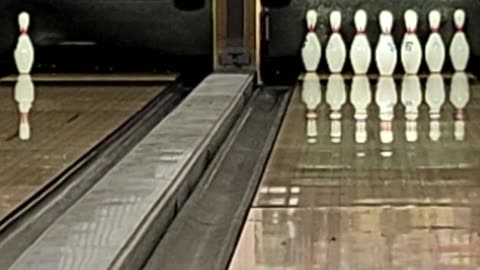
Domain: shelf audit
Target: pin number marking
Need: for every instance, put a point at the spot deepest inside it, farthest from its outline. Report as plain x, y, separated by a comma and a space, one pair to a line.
409, 46
391, 46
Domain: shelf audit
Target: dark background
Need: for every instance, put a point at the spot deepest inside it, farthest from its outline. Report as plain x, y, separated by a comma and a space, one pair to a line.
172, 34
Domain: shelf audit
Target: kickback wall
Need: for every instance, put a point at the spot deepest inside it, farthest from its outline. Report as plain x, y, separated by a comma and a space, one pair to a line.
288, 26
165, 26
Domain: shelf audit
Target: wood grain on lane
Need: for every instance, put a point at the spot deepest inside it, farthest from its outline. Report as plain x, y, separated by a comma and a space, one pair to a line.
67, 121
404, 205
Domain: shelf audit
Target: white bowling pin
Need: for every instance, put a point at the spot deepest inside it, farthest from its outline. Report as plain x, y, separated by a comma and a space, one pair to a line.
24, 53
336, 97
360, 51
435, 98
411, 51
311, 96
459, 47
24, 94
335, 51
312, 49
386, 51
459, 97
411, 99
386, 99
435, 48
360, 96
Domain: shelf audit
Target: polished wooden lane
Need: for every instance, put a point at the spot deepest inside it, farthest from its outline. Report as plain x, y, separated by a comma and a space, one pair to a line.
67, 121
345, 205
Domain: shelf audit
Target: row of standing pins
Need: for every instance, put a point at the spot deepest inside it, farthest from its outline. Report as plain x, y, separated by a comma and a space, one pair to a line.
411, 51
24, 92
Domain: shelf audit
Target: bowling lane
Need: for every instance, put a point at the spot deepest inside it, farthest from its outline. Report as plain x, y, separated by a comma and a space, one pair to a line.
328, 201
67, 120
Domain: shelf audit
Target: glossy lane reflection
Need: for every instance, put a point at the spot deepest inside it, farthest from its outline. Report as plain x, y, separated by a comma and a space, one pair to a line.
311, 96
360, 97
58, 124
411, 99
386, 98
336, 97
459, 97
408, 201
435, 99
24, 94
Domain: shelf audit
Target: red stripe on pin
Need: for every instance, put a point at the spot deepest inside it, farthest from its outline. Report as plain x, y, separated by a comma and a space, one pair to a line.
460, 115
311, 114
23, 117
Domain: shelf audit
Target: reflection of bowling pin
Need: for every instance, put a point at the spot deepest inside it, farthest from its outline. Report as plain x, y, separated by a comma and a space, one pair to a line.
386, 51
435, 97
459, 48
24, 51
459, 97
336, 97
360, 96
335, 51
312, 49
386, 99
411, 99
360, 51
311, 96
434, 49
24, 96
411, 51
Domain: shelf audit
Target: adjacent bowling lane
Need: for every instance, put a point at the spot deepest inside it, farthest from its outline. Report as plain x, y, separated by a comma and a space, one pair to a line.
392, 186
61, 119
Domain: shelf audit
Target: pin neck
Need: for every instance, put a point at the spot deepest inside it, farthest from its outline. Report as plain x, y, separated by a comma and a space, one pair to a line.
386, 125
435, 30
361, 32
23, 117
311, 29
311, 114
335, 30
460, 30
411, 31
460, 115
23, 31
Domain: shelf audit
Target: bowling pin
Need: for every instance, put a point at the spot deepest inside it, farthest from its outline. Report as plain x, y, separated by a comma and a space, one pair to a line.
335, 51
360, 51
312, 49
24, 94
311, 96
24, 52
459, 48
386, 51
411, 51
411, 99
335, 97
360, 96
386, 99
459, 97
435, 98
435, 48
